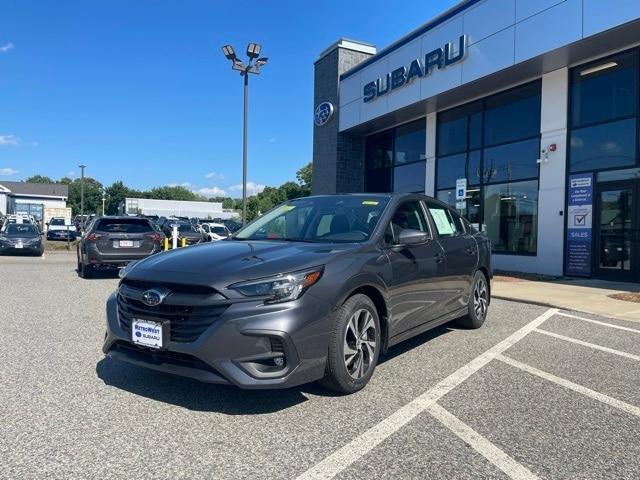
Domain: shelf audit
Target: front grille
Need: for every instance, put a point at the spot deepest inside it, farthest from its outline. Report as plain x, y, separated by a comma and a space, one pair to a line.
187, 322
162, 357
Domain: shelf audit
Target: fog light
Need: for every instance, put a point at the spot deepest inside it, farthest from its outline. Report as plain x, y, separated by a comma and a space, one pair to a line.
279, 361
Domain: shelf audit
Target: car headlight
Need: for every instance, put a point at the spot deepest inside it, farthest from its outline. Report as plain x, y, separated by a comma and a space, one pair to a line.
280, 288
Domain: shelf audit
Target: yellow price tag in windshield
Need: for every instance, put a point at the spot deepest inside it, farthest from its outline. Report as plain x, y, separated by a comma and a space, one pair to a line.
288, 208
370, 202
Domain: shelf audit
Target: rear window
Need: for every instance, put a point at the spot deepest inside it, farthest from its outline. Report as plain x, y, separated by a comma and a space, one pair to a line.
127, 225
184, 227
57, 221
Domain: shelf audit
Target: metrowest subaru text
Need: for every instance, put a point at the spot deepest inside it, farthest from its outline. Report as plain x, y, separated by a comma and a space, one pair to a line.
316, 289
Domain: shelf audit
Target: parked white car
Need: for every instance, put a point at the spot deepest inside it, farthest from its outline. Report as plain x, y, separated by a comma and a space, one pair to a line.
215, 231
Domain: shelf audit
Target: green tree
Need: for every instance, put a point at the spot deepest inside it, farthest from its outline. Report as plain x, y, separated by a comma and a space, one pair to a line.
173, 193
92, 196
39, 179
116, 193
305, 177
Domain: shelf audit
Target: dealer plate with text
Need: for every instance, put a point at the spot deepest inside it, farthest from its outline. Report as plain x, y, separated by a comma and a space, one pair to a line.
147, 333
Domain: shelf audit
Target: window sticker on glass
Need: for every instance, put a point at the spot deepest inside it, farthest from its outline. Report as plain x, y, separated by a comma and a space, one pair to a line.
288, 208
370, 202
442, 222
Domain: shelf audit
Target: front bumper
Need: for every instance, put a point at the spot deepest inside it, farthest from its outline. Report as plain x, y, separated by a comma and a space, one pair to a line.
61, 235
239, 346
25, 250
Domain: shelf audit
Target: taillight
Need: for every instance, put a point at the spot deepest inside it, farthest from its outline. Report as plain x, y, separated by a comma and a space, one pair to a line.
156, 237
93, 236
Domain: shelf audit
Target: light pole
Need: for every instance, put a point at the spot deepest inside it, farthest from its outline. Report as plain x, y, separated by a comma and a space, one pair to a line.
253, 52
82, 167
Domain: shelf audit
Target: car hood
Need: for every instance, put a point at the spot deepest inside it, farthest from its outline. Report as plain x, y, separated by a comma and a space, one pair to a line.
226, 262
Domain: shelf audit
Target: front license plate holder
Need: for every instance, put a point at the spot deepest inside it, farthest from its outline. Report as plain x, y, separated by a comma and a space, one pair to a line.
150, 333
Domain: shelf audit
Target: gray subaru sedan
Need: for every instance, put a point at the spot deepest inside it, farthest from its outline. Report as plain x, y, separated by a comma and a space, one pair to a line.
316, 289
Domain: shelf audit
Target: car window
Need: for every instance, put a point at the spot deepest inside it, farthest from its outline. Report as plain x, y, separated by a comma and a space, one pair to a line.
447, 224
219, 230
409, 215
127, 225
57, 221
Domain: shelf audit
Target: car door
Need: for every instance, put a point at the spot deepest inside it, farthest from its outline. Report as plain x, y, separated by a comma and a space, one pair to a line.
461, 253
416, 270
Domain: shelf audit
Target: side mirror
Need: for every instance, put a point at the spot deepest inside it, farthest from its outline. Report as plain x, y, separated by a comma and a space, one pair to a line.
409, 237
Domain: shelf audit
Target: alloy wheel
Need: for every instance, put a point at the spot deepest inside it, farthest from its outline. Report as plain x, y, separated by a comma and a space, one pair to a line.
360, 344
480, 298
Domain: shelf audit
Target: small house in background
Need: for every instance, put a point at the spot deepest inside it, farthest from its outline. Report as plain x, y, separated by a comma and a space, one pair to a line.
31, 198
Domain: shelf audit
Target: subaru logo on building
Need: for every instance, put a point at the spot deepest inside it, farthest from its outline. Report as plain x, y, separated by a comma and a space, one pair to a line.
323, 114
152, 298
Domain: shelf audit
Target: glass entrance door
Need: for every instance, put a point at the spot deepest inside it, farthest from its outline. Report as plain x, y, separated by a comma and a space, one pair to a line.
616, 231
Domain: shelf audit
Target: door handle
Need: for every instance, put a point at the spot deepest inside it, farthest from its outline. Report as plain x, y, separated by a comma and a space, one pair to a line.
439, 257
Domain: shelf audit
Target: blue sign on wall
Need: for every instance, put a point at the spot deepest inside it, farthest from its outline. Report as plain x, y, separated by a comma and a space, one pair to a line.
579, 224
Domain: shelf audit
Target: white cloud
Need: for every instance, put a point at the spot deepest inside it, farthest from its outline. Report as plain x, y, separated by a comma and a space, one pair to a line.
183, 184
71, 174
252, 188
211, 192
214, 175
5, 48
9, 140
6, 172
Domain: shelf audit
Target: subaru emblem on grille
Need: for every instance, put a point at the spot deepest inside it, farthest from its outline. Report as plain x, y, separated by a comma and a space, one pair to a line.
153, 298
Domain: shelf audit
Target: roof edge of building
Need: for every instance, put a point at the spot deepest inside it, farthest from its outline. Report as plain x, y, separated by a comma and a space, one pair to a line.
348, 44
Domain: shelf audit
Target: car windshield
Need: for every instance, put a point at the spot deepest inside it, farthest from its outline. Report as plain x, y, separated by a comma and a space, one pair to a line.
338, 218
219, 230
126, 225
21, 230
57, 221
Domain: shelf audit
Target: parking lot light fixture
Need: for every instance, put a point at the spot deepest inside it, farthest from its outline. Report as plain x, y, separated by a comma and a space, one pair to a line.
252, 66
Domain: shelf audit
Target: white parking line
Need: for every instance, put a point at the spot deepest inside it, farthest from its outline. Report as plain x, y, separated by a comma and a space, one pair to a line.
363, 444
590, 345
604, 324
480, 444
601, 397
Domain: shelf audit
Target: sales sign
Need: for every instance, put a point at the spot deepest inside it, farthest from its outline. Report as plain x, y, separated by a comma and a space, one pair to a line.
579, 224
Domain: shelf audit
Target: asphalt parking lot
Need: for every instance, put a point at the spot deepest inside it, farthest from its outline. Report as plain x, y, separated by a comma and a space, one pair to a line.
536, 393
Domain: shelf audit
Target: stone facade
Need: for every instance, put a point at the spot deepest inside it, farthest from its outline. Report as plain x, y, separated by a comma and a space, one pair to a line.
337, 157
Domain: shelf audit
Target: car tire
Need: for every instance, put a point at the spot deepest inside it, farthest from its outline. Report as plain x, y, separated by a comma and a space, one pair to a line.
354, 346
83, 270
478, 304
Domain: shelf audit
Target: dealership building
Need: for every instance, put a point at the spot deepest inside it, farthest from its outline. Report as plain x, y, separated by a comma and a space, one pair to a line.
523, 115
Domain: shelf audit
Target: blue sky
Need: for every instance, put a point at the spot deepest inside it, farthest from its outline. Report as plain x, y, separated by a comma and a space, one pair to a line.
140, 92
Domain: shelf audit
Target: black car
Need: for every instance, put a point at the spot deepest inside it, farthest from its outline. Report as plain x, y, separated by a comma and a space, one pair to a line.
116, 241
316, 289
21, 238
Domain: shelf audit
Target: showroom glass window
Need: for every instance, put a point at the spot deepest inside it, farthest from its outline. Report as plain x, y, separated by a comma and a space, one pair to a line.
494, 143
395, 160
604, 114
